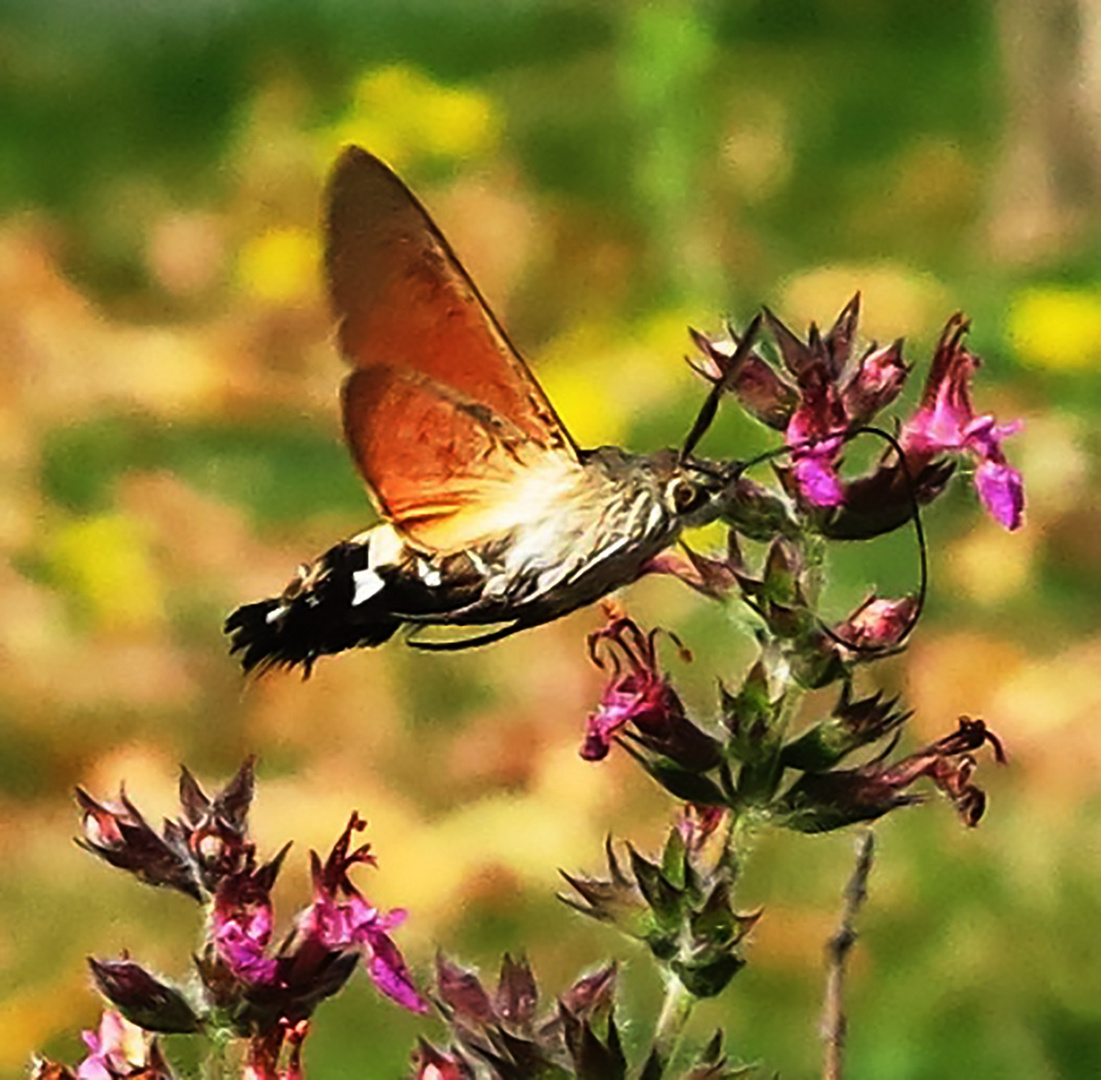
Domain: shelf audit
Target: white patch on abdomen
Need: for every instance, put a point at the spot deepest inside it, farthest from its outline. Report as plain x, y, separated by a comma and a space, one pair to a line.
367, 583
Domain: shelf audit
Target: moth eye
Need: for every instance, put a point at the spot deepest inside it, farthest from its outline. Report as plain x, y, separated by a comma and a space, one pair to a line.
685, 495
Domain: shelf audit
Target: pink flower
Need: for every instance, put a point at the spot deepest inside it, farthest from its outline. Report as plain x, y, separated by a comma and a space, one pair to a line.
241, 925
823, 393
816, 435
945, 422
340, 918
836, 393
641, 696
117, 1049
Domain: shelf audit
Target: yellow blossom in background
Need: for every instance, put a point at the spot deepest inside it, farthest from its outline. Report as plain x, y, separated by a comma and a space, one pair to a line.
1054, 327
403, 116
990, 565
38, 1012
279, 264
601, 375
104, 564
896, 301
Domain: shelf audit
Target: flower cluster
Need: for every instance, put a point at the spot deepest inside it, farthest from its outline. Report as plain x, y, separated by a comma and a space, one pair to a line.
680, 905
248, 988
824, 394
752, 763
503, 1035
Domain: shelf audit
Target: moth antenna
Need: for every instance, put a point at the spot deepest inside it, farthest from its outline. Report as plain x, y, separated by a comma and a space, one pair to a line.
711, 403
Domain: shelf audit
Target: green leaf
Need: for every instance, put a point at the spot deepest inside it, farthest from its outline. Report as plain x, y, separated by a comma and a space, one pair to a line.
708, 978
674, 858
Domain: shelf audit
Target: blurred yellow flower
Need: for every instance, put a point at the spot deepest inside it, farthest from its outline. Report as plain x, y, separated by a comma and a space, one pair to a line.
401, 115
104, 563
1054, 327
600, 375
896, 299
280, 264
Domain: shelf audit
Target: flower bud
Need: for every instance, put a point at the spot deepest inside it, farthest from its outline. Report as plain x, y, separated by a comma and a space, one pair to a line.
117, 833
877, 380
878, 623
143, 999
760, 390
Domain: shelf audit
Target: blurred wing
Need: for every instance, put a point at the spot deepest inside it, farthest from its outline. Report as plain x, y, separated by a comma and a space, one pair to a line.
452, 378
450, 471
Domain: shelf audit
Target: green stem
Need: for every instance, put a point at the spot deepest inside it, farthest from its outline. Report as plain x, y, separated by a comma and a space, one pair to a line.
214, 1066
675, 1010
217, 1065
741, 834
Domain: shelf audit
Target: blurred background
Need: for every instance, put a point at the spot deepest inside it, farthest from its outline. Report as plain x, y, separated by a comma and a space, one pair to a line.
610, 173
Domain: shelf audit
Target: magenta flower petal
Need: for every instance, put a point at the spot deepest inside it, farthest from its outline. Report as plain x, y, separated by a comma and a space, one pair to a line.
244, 955
1001, 490
116, 1049
391, 975
817, 478
945, 422
614, 711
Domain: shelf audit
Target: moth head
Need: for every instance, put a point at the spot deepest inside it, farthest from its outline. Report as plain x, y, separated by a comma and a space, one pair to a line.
693, 491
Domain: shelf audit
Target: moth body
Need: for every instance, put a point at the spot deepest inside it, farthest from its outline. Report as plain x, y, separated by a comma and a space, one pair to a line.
493, 515
554, 549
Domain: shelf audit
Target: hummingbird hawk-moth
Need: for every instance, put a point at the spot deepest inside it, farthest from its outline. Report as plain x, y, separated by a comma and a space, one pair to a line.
492, 515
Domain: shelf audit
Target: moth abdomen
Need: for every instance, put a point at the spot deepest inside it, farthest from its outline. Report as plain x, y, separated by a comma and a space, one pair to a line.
331, 606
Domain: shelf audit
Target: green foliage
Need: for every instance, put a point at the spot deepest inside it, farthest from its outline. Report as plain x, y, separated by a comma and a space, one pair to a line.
280, 470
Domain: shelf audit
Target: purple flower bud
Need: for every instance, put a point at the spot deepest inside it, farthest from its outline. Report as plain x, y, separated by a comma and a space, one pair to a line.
593, 993
216, 830
462, 992
762, 392
117, 833
141, 998
878, 623
517, 994
877, 381
208, 841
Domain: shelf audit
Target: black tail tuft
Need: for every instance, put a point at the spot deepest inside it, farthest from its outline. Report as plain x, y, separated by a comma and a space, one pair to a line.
314, 620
